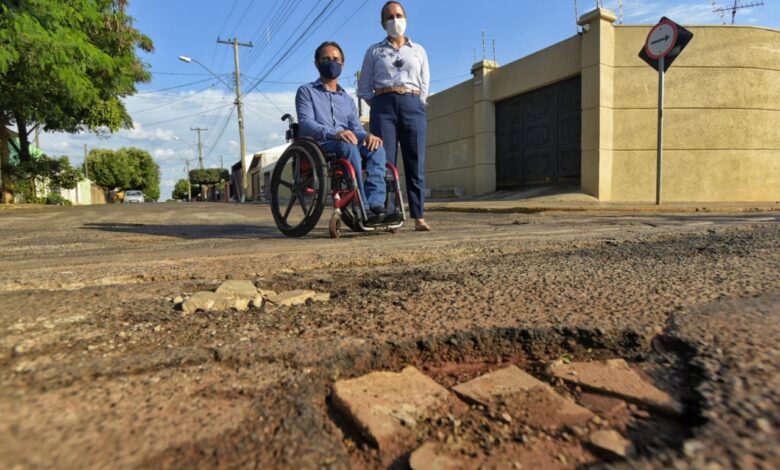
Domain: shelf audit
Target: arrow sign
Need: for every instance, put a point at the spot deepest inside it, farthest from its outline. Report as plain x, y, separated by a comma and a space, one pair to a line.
666, 39
663, 39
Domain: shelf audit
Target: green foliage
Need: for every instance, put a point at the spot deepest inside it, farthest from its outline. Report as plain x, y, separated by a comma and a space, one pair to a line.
180, 191
126, 168
56, 199
68, 64
208, 175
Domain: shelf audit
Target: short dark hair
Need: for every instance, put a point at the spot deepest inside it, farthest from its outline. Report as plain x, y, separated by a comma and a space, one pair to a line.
382, 11
326, 44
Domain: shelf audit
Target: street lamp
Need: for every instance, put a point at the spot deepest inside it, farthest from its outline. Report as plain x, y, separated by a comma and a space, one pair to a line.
240, 113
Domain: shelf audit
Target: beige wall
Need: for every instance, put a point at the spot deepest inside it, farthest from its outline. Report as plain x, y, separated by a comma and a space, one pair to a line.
722, 119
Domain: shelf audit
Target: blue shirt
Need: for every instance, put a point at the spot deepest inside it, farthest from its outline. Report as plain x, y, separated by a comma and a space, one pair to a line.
323, 113
385, 66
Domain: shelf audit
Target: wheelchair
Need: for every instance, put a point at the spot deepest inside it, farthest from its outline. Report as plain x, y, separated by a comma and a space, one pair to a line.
298, 190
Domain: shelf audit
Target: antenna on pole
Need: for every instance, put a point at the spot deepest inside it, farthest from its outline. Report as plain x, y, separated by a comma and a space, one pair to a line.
483, 45
576, 16
494, 50
620, 11
738, 5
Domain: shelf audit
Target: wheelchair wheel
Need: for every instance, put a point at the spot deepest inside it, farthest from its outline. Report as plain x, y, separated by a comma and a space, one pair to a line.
298, 189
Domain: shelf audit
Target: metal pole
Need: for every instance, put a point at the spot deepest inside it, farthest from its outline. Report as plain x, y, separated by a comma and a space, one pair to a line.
659, 162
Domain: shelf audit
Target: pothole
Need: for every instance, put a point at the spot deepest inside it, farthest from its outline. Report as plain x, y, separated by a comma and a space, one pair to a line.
515, 399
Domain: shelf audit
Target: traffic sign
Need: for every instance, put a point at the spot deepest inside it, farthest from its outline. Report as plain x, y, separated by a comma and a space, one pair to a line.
666, 40
661, 39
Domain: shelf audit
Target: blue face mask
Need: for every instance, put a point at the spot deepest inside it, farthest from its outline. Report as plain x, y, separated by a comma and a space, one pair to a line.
329, 69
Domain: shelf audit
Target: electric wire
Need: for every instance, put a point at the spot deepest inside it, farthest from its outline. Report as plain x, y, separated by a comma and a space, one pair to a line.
177, 100
146, 92
182, 117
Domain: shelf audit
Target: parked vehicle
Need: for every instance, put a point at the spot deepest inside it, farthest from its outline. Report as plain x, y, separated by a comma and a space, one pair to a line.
134, 196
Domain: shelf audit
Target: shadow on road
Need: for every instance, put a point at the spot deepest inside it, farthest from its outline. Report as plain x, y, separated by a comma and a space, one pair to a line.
192, 231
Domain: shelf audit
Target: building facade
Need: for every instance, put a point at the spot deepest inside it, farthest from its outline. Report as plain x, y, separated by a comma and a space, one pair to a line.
585, 110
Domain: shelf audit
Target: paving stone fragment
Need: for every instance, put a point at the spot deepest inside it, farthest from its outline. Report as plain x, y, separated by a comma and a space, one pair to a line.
430, 457
237, 289
602, 404
385, 406
612, 443
266, 292
293, 297
615, 377
257, 302
203, 300
321, 297
526, 397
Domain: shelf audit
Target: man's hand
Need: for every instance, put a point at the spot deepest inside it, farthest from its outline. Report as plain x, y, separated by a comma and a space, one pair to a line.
347, 136
373, 142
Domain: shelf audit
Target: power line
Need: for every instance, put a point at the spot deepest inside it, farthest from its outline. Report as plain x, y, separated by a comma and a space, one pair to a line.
294, 45
183, 117
146, 92
177, 100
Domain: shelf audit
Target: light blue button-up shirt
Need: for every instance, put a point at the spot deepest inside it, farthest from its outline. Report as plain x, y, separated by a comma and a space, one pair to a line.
385, 66
323, 113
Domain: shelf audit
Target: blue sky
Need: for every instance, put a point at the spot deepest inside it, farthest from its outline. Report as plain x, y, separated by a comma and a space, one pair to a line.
181, 96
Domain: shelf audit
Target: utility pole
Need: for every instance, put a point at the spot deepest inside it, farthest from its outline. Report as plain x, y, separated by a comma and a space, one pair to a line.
86, 173
200, 145
221, 163
189, 186
240, 111
360, 102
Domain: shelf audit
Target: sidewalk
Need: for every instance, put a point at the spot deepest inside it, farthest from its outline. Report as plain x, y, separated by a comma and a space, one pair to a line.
572, 199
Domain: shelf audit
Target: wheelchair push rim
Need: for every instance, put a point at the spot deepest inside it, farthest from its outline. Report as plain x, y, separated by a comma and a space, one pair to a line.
298, 189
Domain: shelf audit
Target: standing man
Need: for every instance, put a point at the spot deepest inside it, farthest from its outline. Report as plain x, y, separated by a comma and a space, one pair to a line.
327, 114
394, 81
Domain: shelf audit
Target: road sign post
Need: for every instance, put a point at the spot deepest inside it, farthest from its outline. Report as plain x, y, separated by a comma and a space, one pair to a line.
663, 44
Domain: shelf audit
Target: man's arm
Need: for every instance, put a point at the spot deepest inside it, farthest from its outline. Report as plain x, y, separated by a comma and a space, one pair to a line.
309, 127
354, 121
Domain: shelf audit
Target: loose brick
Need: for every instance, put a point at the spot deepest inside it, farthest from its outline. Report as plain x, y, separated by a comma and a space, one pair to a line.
385, 406
527, 398
616, 377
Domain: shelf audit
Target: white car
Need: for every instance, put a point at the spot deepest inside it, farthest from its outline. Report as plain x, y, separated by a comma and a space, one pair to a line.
134, 196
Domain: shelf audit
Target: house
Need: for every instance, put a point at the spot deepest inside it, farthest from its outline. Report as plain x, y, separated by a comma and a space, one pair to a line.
585, 111
260, 169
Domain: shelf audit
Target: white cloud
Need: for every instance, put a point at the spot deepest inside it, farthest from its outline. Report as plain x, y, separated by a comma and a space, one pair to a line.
687, 12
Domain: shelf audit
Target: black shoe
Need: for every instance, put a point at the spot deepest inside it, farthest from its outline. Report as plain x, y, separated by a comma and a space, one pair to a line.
394, 217
376, 215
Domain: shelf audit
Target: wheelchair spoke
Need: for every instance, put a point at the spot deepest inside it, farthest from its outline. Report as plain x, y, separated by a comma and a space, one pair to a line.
289, 208
302, 200
286, 184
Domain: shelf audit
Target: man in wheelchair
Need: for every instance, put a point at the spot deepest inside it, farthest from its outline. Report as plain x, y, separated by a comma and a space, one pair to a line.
327, 114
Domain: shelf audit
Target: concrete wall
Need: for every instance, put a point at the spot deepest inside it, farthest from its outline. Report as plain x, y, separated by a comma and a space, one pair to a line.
721, 120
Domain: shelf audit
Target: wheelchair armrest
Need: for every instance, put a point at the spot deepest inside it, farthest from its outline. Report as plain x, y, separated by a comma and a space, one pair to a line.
292, 132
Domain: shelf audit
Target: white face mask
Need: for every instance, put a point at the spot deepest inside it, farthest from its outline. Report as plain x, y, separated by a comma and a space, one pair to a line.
396, 27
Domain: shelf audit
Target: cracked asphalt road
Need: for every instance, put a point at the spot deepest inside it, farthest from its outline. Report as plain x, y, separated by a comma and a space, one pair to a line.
97, 369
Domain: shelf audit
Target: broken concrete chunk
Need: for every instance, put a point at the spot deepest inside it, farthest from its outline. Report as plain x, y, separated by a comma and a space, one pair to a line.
266, 292
430, 457
203, 300
293, 297
616, 377
612, 444
257, 302
527, 398
237, 289
601, 404
321, 297
385, 406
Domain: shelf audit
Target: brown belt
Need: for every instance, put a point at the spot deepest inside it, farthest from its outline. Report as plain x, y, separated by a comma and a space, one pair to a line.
396, 89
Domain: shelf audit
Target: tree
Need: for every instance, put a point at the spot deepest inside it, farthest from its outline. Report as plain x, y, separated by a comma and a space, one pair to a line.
65, 66
204, 178
181, 190
126, 168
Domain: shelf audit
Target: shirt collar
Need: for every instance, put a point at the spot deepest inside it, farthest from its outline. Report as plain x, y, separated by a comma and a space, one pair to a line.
318, 84
408, 42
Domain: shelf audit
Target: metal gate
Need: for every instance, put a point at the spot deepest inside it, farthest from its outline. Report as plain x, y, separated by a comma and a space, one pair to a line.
538, 135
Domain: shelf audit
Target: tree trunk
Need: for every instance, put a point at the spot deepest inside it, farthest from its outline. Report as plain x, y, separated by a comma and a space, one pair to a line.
24, 139
5, 163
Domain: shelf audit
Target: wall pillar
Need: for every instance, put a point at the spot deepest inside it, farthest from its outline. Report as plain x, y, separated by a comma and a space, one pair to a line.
484, 128
598, 60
